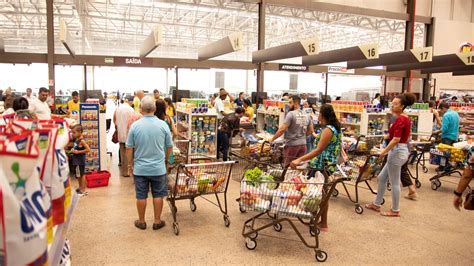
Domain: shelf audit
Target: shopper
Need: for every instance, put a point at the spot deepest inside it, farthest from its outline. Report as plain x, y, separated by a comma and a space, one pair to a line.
285, 96
20, 106
170, 109
454, 99
240, 101
463, 183
304, 98
6, 93
149, 146
249, 112
39, 107
406, 181
297, 126
157, 95
376, 100
213, 98
326, 154
229, 126
121, 116
222, 104
8, 105
73, 106
29, 95
136, 101
79, 151
161, 114
449, 124
397, 150
436, 117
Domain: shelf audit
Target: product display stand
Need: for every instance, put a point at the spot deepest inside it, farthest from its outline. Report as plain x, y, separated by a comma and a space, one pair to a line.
270, 116
103, 141
201, 130
91, 123
467, 122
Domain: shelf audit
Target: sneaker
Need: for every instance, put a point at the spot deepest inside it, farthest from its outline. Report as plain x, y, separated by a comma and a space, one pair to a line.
82, 194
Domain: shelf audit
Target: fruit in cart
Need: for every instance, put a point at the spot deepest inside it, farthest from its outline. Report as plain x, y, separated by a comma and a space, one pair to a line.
311, 204
294, 198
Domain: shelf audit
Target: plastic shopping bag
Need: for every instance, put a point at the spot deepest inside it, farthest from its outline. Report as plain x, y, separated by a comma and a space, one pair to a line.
22, 210
63, 138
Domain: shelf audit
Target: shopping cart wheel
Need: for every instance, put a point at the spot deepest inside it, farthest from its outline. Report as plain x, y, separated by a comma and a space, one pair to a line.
253, 236
278, 227
192, 205
250, 243
425, 169
434, 185
176, 228
335, 193
321, 256
389, 186
313, 231
242, 209
383, 201
417, 183
438, 182
226, 220
359, 209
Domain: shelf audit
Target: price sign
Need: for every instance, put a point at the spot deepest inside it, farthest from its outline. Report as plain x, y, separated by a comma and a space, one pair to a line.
236, 39
423, 54
467, 58
370, 51
311, 45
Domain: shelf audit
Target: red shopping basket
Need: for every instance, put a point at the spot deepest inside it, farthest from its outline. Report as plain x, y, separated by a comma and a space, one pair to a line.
97, 179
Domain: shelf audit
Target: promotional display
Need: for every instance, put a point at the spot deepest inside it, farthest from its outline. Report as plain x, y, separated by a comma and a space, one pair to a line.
90, 124
201, 130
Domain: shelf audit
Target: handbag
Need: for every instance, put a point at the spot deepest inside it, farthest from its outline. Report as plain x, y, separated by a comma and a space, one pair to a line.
115, 136
469, 202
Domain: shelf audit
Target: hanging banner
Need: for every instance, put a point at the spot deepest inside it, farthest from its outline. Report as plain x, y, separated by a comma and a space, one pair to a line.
340, 70
132, 61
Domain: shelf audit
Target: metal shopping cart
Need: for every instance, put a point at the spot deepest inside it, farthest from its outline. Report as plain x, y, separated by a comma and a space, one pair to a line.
297, 198
359, 169
451, 160
198, 180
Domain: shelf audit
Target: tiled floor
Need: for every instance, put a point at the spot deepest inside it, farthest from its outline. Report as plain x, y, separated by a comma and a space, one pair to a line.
430, 231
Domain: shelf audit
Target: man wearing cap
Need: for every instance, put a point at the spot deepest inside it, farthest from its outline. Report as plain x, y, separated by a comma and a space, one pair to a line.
222, 104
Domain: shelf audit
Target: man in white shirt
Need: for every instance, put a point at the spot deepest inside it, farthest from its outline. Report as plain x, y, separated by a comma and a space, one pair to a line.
219, 104
121, 115
39, 107
29, 95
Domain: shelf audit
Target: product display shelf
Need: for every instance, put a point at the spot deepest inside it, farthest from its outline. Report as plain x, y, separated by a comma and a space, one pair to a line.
201, 130
269, 121
55, 249
422, 123
467, 122
363, 123
93, 124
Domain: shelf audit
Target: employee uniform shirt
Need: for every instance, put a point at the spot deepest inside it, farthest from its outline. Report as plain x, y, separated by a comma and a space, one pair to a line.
450, 125
73, 107
40, 109
149, 137
136, 104
298, 122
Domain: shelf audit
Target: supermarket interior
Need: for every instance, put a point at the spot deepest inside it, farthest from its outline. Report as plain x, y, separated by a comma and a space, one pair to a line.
277, 132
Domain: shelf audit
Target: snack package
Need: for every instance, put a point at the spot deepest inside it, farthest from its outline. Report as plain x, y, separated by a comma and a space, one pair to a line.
22, 210
62, 141
51, 177
45, 168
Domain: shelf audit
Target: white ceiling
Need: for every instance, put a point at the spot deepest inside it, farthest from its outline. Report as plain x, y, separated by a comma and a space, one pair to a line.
118, 27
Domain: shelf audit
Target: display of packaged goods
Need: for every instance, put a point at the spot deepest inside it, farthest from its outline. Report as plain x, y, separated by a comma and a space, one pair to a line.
274, 103
202, 183
90, 124
455, 155
438, 157
376, 126
200, 130
349, 106
461, 106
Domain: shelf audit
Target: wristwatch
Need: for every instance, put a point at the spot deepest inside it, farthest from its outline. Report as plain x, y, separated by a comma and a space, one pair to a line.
457, 193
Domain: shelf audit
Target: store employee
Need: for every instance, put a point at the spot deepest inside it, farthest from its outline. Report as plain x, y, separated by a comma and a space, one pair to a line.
73, 106
449, 124
39, 107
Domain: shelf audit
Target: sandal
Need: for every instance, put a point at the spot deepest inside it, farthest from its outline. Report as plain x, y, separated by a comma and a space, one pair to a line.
159, 226
372, 206
390, 213
141, 226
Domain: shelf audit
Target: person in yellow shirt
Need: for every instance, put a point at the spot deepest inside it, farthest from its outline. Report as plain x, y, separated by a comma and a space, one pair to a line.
157, 95
249, 112
136, 101
170, 109
73, 106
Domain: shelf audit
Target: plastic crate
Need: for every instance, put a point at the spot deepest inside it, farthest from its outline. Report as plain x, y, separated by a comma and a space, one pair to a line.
97, 179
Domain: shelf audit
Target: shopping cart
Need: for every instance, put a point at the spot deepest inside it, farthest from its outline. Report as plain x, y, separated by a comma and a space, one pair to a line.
451, 162
417, 157
359, 169
297, 198
198, 180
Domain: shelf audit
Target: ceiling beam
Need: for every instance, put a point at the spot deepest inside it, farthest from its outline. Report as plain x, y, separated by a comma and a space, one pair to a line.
438, 61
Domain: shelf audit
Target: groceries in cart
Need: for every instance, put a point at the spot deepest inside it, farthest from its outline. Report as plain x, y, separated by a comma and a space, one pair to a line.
298, 195
445, 154
200, 183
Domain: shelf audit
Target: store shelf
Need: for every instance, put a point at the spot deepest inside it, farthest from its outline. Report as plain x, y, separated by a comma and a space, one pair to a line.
376, 114
55, 250
351, 124
348, 112
263, 112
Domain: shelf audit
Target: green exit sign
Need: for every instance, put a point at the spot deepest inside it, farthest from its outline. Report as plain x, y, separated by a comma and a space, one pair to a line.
109, 60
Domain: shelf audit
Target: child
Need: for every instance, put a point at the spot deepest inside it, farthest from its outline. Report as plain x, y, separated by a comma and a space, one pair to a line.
79, 157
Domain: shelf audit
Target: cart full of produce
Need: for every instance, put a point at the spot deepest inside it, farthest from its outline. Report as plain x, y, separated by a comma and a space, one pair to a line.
200, 180
450, 159
290, 196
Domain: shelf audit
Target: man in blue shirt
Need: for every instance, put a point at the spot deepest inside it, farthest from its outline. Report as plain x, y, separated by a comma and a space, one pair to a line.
149, 145
449, 125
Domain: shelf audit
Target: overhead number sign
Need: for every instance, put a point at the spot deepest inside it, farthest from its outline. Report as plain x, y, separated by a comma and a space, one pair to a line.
467, 58
311, 45
423, 54
370, 51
